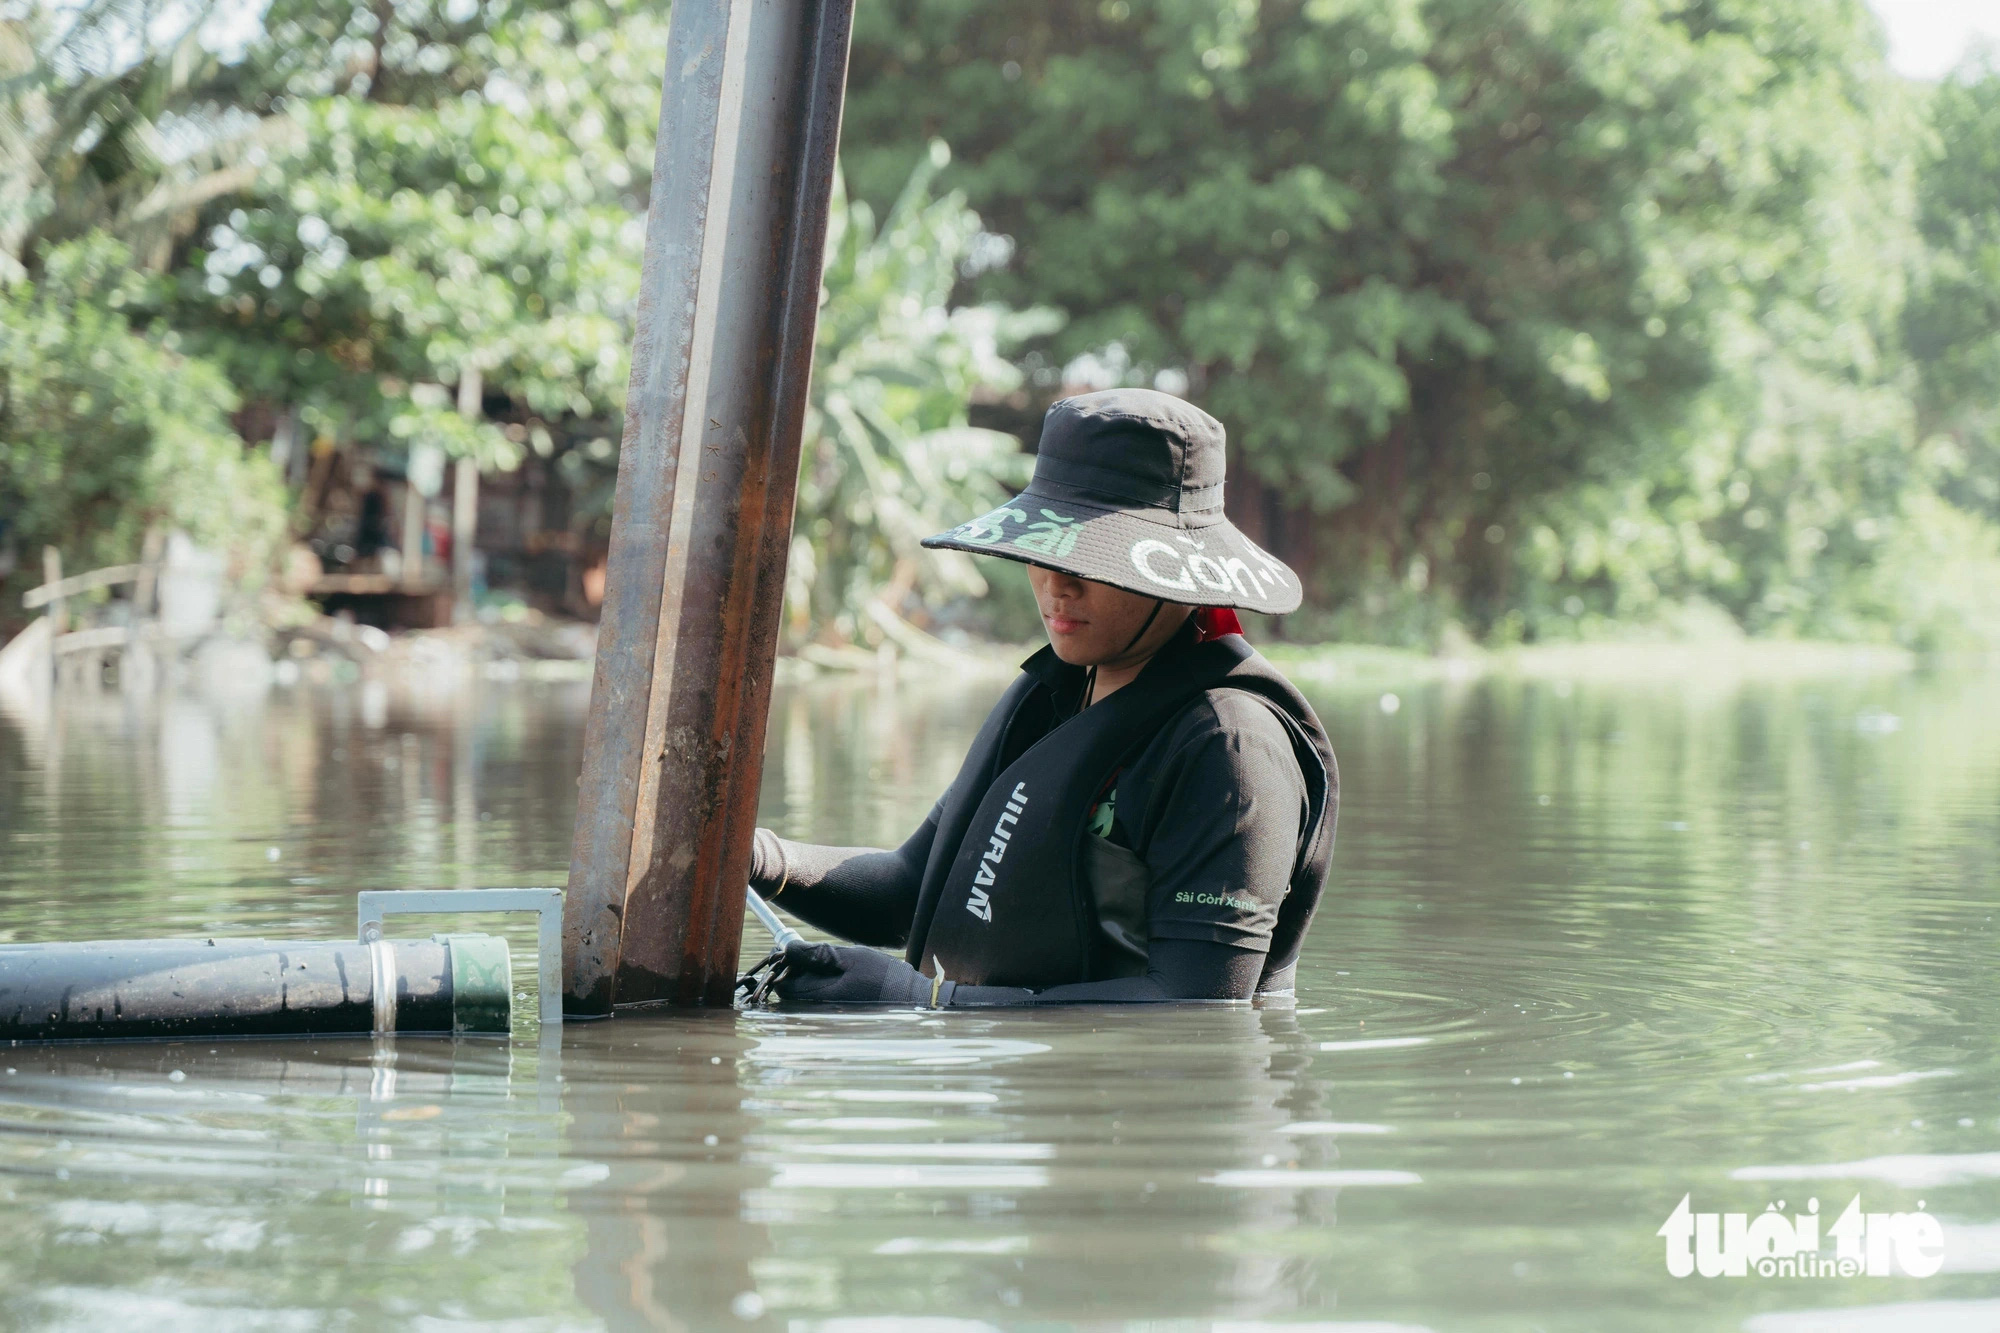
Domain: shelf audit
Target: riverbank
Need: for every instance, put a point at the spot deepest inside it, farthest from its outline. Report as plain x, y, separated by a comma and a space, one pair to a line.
1608, 659
330, 650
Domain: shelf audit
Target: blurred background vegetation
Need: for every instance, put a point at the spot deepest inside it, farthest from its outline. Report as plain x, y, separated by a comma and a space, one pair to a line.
1530, 319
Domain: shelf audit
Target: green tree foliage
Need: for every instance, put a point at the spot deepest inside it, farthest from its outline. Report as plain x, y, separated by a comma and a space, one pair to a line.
460, 198
1953, 323
465, 195
106, 430
889, 456
116, 115
114, 131
1781, 484
1534, 313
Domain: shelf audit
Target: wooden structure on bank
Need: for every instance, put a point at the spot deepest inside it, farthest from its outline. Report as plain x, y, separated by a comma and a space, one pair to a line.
55, 650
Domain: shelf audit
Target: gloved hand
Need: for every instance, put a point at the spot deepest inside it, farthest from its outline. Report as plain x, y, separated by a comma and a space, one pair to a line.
852, 974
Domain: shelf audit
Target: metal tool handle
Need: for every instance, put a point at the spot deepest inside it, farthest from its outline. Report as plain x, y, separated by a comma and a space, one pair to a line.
765, 913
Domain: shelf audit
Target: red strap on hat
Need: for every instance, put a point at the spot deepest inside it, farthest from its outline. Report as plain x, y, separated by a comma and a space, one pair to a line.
1213, 622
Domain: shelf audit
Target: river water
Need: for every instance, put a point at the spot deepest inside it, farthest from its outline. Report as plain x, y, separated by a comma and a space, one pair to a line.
1592, 945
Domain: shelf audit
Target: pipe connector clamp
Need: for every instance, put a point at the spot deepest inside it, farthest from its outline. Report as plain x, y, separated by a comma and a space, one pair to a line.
382, 964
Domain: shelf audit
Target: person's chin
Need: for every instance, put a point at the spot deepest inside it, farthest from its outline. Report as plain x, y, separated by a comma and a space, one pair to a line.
1069, 650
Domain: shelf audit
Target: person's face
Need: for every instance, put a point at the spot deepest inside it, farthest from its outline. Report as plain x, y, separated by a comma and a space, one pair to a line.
1092, 624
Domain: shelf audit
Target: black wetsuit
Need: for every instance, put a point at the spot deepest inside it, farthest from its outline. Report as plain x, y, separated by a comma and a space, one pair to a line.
1214, 805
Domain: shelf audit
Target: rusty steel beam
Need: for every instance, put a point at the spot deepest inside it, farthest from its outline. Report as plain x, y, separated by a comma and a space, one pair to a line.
729, 298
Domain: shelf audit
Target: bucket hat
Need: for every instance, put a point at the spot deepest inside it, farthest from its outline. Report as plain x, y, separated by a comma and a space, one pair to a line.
1128, 491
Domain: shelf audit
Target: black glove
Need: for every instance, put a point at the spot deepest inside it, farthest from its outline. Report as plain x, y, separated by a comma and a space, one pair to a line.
853, 974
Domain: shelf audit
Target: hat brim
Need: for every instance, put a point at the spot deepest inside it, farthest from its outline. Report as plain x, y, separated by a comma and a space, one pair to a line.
1211, 565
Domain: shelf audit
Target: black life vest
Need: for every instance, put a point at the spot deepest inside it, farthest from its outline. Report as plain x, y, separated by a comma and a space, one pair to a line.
1003, 901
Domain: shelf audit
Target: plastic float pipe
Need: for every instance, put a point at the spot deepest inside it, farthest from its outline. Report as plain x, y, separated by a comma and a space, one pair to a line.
449, 984
702, 521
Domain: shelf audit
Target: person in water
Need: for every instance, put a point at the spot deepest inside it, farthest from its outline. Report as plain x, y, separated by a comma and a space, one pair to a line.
1148, 813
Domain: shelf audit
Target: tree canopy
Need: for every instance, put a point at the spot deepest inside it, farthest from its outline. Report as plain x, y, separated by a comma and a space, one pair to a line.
105, 430
1527, 313
399, 201
1533, 317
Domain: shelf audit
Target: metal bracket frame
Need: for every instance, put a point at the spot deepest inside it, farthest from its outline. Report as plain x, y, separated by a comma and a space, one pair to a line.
372, 905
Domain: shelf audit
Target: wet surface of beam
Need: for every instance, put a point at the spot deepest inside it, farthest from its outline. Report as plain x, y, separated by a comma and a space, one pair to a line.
702, 522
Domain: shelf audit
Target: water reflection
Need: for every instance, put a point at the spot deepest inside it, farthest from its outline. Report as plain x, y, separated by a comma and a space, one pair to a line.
232, 1182
1591, 945
848, 1164
265, 812
657, 1110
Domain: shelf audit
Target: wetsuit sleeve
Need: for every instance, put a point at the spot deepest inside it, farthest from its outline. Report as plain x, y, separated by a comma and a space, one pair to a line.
1220, 825
1175, 970
863, 894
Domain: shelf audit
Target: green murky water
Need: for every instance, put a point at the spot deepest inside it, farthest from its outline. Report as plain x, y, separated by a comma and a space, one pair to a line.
1591, 946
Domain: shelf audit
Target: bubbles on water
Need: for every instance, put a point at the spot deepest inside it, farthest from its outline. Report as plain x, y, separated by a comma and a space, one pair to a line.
863, 1052
1877, 722
1316, 1128
1373, 1044
178, 1076
1296, 1179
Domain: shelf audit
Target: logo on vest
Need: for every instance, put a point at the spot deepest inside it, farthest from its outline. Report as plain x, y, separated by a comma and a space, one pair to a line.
980, 904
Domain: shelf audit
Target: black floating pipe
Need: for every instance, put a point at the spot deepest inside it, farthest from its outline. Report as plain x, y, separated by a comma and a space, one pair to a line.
111, 989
